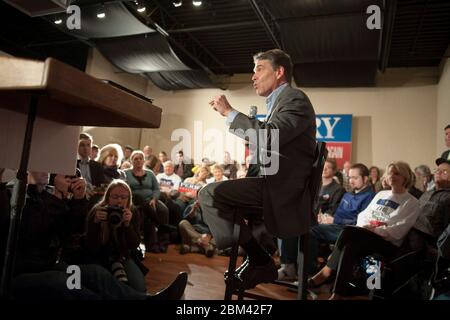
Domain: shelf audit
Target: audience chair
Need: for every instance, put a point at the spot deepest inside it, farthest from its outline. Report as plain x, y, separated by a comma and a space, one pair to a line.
402, 275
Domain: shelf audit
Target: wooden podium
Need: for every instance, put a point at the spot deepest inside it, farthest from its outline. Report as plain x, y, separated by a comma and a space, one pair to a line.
55, 91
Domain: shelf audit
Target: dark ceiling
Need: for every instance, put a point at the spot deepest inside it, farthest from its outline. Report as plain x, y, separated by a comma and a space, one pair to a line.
327, 39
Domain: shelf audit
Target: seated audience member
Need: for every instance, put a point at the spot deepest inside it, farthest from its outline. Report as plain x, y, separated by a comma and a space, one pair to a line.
242, 172
205, 163
126, 165
91, 170
162, 156
374, 179
48, 218
169, 184
218, 174
381, 228
435, 205
184, 166
195, 233
96, 283
127, 151
112, 235
343, 176
230, 167
200, 177
153, 163
331, 192
110, 157
442, 272
446, 154
424, 178
413, 190
145, 190
189, 188
148, 151
168, 181
351, 204
94, 152
193, 221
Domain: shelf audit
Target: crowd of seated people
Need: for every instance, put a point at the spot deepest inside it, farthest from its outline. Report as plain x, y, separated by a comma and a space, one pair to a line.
57, 210
157, 199
381, 227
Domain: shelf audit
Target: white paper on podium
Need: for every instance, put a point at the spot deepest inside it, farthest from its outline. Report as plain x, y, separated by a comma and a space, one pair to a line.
53, 146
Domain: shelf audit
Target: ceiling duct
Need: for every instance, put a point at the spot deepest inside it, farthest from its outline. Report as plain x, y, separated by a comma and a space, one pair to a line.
37, 8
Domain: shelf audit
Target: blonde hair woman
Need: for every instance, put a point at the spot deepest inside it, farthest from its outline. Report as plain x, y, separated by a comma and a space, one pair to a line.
110, 156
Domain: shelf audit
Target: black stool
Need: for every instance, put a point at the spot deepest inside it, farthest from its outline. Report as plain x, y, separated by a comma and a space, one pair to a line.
232, 285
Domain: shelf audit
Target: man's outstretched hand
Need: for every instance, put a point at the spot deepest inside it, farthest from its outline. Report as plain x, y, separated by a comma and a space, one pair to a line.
221, 105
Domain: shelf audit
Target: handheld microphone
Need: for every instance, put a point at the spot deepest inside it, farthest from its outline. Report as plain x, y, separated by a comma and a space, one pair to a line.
253, 112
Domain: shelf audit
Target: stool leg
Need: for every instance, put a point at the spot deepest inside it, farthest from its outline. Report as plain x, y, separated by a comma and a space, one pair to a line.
229, 283
302, 259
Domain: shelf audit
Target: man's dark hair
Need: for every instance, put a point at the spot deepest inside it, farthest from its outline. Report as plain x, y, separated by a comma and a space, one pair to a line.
278, 58
129, 147
333, 163
85, 136
363, 170
94, 146
181, 153
447, 127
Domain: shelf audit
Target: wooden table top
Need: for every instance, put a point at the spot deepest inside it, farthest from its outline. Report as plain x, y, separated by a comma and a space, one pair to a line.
70, 96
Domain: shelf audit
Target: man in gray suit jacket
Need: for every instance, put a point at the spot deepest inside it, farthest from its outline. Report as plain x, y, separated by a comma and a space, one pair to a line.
288, 141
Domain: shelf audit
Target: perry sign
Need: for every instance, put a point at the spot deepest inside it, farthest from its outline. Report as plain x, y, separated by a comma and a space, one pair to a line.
336, 131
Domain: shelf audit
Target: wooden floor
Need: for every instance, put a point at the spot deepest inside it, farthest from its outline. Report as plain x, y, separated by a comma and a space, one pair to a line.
205, 275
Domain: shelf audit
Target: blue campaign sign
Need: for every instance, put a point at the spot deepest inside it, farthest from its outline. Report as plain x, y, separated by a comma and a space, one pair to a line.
334, 127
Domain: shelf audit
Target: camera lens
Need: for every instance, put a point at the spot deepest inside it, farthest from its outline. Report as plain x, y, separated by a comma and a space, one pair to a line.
114, 214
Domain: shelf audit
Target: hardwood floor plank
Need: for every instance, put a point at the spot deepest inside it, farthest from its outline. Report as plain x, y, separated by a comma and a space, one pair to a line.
205, 281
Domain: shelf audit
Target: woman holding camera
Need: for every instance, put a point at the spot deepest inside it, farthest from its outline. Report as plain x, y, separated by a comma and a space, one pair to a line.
113, 235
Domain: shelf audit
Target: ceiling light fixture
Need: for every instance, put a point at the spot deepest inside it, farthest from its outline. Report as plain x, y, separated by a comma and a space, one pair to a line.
177, 4
101, 12
140, 6
58, 21
197, 3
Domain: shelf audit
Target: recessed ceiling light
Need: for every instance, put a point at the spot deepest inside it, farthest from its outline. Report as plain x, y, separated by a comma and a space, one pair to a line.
58, 21
197, 3
177, 3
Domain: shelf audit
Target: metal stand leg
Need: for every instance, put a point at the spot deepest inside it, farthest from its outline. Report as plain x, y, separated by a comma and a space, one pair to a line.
17, 203
230, 283
302, 259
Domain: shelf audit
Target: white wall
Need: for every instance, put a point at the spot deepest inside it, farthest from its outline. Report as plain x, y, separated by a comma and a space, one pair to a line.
389, 123
443, 106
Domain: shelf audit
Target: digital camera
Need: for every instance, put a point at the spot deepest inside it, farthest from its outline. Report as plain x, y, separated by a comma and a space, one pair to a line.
114, 214
76, 175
